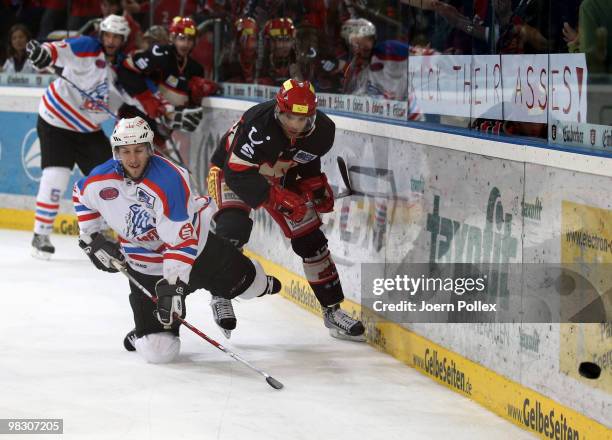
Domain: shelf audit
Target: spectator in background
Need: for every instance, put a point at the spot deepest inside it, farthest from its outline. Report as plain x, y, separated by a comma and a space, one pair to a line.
279, 58
53, 18
595, 30
154, 35
239, 67
17, 60
380, 69
265, 10
81, 12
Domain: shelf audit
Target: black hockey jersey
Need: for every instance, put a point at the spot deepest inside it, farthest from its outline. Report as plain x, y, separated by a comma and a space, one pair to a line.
162, 65
255, 152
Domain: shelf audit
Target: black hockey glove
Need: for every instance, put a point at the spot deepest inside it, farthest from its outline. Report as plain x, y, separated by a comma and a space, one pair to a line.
38, 54
186, 119
101, 251
170, 300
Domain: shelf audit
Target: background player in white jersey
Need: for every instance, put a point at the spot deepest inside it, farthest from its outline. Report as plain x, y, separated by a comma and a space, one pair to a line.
165, 239
68, 121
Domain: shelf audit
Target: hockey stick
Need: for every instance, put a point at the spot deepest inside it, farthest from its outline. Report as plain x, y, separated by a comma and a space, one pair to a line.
92, 98
271, 381
345, 178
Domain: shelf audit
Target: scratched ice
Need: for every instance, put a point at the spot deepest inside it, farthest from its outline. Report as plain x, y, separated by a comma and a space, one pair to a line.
61, 336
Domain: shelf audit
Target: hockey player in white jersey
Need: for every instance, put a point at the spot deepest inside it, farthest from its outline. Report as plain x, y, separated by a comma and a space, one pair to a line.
68, 121
165, 239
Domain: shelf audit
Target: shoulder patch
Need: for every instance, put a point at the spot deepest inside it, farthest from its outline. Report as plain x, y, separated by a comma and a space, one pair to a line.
304, 156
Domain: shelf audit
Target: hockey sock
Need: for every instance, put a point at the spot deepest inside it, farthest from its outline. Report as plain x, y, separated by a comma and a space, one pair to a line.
52, 186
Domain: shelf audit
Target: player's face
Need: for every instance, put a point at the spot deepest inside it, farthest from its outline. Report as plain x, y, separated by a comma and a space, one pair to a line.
281, 47
362, 46
112, 43
134, 159
293, 125
183, 44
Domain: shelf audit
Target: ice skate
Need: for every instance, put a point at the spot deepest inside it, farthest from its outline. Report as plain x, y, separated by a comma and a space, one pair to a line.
223, 313
341, 325
42, 247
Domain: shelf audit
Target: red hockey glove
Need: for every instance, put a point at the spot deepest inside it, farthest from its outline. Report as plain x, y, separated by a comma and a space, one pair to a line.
201, 87
317, 190
291, 205
154, 105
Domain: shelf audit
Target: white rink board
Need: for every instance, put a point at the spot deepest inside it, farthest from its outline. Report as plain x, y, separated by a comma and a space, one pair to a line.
391, 226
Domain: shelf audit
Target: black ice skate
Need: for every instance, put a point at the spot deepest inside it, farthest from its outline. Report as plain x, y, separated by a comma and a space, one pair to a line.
128, 341
341, 325
42, 247
223, 313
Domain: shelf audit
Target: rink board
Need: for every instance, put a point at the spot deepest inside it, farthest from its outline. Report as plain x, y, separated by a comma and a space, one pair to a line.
406, 173
499, 394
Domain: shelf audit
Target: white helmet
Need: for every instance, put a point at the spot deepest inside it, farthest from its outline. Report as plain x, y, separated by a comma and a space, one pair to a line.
132, 131
359, 27
116, 24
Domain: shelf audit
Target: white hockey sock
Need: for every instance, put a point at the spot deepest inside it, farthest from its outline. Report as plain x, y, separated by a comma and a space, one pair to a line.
52, 186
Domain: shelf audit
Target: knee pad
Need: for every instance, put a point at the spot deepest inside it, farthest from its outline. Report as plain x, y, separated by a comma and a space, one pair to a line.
310, 245
234, 225
158, 348
259, 284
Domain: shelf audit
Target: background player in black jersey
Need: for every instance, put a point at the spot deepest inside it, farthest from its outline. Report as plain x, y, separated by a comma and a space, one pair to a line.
271, 158
178, 78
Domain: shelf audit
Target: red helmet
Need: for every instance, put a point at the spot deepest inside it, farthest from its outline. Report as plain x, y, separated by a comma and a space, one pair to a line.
246, 27
279, 28
183, 25
297, 97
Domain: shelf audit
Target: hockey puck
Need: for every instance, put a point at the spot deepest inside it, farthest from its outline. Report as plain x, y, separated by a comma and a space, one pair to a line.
589, 370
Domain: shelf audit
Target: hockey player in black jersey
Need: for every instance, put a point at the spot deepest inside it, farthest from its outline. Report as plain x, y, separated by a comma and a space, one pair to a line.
271, 158
178, 78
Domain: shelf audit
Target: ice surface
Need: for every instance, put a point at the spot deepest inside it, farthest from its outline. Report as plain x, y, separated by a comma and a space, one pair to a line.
61, 330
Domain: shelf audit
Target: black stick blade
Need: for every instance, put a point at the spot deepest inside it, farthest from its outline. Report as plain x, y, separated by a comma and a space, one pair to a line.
344, 174
274, 383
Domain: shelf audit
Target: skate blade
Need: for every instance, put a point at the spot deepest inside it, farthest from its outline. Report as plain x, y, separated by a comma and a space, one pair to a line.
227, 333
40, 255
335, 333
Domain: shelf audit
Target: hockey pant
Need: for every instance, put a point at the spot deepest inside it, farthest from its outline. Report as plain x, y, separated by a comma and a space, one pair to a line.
60, 150
221, 269
233, 222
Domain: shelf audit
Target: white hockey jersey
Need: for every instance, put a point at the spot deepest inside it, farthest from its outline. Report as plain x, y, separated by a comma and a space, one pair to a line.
84, 63
162, 226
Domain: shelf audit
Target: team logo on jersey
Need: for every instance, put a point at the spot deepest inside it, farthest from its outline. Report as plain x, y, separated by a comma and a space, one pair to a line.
98, 94
100, 64
304, 156
142, 63
109, 193
30, 155
138, 221
247, 150
145, 197
186, 231
172, 81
